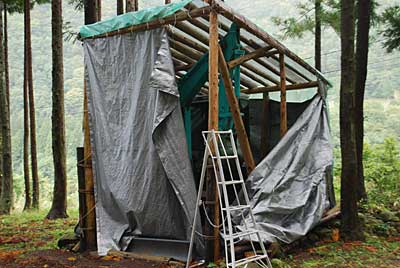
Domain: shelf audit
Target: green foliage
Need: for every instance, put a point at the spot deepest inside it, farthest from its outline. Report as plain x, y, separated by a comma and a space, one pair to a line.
391, 32
382, 172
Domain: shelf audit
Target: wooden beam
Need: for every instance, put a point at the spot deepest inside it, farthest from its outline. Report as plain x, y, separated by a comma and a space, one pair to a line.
260, 52
173, 19
235, 110
283, 126
213, 112
278, 88
249, 26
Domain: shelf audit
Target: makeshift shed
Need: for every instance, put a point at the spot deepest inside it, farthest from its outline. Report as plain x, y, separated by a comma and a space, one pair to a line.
146, 69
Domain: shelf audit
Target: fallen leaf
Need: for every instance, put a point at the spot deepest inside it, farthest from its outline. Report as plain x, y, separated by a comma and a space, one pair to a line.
71, 259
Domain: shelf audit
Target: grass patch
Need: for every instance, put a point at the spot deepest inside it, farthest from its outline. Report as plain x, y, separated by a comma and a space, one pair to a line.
30, 231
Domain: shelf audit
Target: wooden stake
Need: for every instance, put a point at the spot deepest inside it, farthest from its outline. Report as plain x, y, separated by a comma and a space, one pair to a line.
235, 110
283, 95
213, 112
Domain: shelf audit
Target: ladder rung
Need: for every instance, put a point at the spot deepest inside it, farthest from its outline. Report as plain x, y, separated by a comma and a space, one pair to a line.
248, 259
233, 208
230, 182
242, 234
226, 157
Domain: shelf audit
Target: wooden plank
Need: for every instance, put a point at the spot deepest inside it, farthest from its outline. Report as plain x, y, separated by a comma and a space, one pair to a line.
278, 88
173, 19
283, 126
213, 112
235, 110
260, 52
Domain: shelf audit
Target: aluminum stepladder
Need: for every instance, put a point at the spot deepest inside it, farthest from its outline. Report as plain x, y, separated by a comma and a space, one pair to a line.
214, 142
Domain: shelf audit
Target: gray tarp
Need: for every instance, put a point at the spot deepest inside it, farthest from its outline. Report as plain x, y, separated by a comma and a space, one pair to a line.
143, 178
288, 189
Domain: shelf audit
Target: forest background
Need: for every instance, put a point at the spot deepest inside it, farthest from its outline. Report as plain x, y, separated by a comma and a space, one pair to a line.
382, 104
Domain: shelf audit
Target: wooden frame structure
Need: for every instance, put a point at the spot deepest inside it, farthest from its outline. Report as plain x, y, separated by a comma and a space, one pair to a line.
266, 66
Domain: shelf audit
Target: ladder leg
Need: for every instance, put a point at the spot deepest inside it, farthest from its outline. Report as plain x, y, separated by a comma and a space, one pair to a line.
201, 183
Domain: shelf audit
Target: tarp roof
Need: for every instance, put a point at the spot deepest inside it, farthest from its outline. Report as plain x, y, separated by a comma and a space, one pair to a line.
189, 35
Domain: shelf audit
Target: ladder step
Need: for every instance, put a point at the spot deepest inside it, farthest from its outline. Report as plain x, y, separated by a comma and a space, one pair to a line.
230, 182
233, 208
248, 260
242, 234
225, 157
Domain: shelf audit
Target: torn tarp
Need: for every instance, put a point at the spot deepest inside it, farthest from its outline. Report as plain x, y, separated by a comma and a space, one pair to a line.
288, 190
144, 184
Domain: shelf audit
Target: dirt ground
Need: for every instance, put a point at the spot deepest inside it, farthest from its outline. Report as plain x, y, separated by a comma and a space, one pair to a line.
56, 258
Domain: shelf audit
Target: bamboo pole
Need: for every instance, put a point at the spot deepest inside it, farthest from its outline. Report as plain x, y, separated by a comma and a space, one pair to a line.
283, 126
278, 88
235, 110
213, 112
176, 18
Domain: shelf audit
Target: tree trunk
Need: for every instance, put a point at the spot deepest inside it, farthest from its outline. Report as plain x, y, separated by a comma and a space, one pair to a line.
132, 5
120, 7
32, 117
28, 200
363, 26
98, 10
318, 39
351, 228
59, 205
6, 198
90, 7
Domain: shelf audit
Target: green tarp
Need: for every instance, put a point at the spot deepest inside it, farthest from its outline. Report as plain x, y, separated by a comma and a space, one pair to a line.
131, 18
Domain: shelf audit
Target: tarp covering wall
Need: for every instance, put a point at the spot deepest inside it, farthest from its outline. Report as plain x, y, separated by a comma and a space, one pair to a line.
143, 179
289, 189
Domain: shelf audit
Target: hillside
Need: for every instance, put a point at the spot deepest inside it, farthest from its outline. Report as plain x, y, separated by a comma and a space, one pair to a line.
383, 87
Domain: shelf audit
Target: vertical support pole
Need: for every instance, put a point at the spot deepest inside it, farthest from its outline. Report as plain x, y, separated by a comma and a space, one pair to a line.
90, 216
213, 111
90, 234
283, 94
265, 123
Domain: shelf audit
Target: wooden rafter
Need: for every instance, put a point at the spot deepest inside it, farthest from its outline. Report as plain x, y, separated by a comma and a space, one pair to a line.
249, 26
260, 52
278, 88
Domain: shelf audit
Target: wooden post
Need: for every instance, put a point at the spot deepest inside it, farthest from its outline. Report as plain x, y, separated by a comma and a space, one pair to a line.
235, 110
90, 216
90, 232
265, 123
213, 113
283, 95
